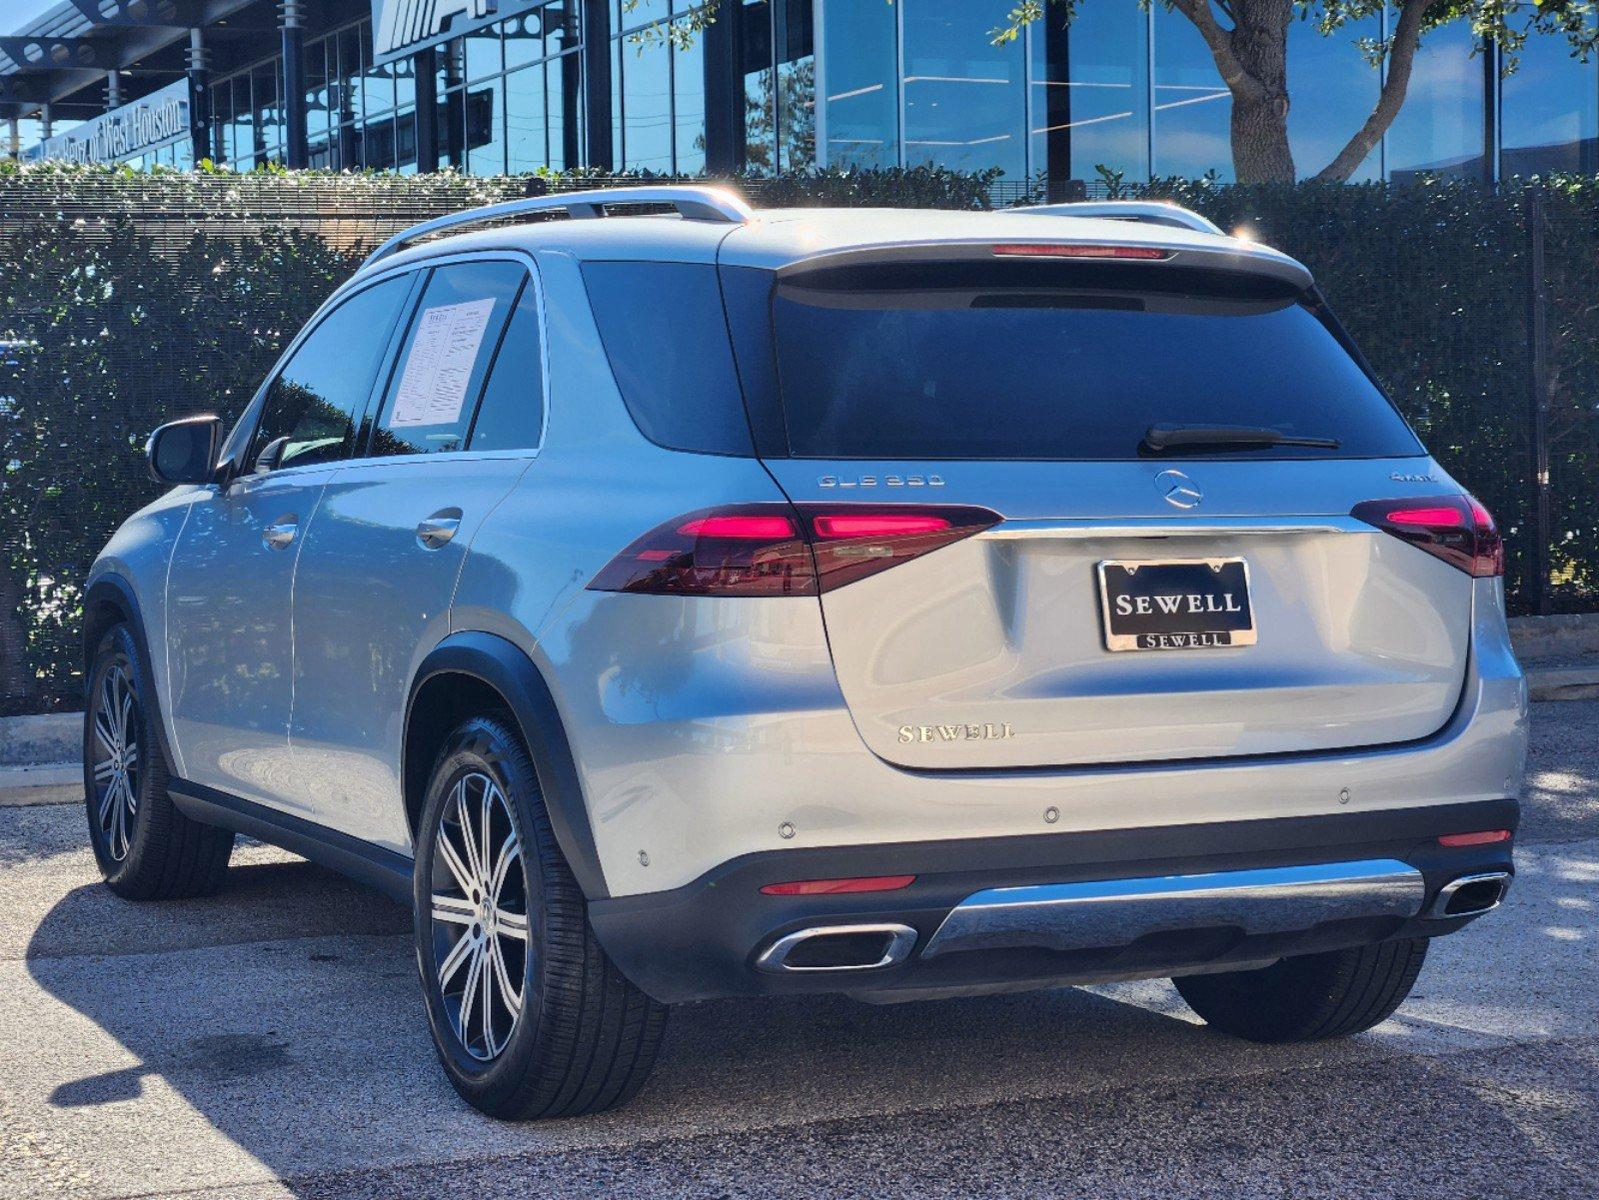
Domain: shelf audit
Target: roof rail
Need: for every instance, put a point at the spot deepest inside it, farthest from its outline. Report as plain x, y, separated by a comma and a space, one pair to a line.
692, 204
1153, 212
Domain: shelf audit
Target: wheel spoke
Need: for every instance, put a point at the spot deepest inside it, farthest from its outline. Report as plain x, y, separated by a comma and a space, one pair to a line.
104, 771
488, 985
125, 714
459, 953
119, 833
452, 860
511, 995
130, 755
485, 859
468, 836
511, 924
474, 975
453, 910
103, 730
510, 852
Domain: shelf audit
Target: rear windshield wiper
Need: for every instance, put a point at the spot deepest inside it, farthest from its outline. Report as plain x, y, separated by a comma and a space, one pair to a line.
1161, 439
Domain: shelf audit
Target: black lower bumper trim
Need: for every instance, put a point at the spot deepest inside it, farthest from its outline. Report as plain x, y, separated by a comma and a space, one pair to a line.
700, 941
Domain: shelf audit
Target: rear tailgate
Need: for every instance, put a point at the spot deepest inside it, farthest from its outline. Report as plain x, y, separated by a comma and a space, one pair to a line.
992, 652
1254, 614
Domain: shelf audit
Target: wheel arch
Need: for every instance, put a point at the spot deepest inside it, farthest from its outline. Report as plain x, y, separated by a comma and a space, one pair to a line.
111, 600
459, 677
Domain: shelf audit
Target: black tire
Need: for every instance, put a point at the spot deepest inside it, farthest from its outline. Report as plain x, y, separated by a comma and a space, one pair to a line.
1311, 997
583, 1039
146, 848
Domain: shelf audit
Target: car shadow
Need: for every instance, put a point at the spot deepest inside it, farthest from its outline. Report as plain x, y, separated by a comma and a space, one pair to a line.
289, 1002
284, 1015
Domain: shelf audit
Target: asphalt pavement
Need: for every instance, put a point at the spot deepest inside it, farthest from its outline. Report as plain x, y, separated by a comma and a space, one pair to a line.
270, 1042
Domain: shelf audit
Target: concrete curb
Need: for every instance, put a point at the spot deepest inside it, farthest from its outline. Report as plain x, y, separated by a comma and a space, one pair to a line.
1564, 683
1567, 635
44, 738
52, 783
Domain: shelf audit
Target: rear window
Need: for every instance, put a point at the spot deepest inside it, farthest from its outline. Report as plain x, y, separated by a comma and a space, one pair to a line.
1044, 361
666, 337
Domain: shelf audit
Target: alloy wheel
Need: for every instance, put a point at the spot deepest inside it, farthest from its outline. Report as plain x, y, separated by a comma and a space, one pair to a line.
117, 727
479, 912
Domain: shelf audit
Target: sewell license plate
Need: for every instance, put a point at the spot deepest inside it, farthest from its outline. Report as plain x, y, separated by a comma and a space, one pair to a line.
1176, 604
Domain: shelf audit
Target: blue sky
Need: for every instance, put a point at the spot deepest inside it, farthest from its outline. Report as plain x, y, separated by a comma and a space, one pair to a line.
18, 13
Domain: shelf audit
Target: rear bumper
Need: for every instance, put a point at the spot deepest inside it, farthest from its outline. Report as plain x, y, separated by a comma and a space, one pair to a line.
1018, 912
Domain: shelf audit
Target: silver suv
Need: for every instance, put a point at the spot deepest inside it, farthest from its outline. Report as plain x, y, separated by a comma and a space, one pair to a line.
670, 600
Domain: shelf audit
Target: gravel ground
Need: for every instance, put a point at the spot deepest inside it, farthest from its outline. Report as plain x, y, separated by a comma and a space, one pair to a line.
269, 1043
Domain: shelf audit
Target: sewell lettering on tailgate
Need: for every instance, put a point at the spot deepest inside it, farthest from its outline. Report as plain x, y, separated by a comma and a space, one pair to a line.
988, 731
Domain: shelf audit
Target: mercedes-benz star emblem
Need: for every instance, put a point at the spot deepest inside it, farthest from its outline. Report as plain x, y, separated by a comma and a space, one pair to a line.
1178, 489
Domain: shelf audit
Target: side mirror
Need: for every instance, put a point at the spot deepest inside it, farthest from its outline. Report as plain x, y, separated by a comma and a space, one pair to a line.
185, 451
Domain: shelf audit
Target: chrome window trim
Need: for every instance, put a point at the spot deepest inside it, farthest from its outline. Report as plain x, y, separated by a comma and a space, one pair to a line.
359, 283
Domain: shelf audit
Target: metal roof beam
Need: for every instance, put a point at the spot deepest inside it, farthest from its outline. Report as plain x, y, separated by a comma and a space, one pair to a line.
60, 53
32, 90
151, 14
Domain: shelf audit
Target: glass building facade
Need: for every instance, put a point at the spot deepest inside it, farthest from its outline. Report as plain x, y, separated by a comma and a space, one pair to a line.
779, 85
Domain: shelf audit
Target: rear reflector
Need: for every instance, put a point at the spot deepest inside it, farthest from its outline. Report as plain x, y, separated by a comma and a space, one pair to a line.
1457, 529
1485, 838
1045, 250
835, 887
783, 550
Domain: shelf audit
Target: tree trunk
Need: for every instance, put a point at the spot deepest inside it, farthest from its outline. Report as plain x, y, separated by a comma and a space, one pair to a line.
1260, 141
1259, 43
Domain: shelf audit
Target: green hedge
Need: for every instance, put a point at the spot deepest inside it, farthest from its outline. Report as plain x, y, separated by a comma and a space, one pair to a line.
128, 299
1434, 282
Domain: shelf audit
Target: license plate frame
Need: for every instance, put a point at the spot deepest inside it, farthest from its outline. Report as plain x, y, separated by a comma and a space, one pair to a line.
1214, 621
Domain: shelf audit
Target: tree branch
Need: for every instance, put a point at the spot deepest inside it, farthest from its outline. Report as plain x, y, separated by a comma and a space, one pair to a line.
1401, 58
1239, 81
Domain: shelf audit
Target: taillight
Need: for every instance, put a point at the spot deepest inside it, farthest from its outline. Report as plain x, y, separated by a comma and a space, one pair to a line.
1075, 250
1457, 529
852, 542
781, 549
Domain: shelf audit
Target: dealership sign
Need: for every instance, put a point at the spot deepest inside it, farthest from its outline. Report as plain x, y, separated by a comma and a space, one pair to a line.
123, 132
401, 27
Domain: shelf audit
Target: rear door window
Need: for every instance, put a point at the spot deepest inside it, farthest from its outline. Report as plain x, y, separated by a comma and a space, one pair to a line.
665, 335
511, 413
1040, 361
454, 332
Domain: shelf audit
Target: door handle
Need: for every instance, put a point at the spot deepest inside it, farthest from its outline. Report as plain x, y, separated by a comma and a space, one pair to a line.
280, 533
435, 531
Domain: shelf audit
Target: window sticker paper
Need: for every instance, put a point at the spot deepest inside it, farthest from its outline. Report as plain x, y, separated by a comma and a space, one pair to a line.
439, 367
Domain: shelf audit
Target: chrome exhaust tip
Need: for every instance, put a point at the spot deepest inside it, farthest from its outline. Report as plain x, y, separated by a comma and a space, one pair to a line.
839, 948
1470, 895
